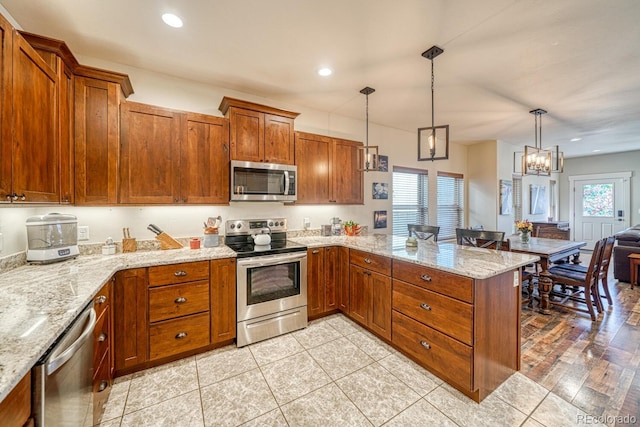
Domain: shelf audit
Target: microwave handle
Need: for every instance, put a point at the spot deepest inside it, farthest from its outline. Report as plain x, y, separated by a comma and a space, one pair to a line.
286, 183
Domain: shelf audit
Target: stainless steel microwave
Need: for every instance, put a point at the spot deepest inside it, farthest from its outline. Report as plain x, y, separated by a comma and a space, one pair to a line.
253, 181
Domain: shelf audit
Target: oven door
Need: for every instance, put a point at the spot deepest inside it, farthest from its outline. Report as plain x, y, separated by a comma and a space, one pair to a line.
271, 283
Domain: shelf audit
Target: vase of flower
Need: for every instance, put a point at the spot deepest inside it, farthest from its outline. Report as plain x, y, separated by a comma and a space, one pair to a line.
525, 228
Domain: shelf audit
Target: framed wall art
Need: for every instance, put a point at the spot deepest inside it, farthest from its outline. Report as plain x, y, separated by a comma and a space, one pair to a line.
379, 219
506, 197
380, 190
537, 199
383, 163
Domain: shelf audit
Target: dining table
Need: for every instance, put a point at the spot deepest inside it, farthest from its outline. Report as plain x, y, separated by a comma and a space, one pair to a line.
549, 251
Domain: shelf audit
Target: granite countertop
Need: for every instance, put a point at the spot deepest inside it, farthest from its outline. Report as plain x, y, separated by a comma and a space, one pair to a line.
40, 301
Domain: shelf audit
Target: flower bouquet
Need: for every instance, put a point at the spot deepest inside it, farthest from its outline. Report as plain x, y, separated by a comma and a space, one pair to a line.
525, 227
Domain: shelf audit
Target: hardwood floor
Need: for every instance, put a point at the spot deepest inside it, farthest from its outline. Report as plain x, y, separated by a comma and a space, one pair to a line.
594, 365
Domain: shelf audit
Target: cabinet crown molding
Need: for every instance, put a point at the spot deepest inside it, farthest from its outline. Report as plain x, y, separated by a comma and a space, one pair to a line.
238, 103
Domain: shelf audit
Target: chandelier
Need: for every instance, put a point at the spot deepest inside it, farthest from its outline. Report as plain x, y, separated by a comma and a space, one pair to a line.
433, 142
367, 155
536, 160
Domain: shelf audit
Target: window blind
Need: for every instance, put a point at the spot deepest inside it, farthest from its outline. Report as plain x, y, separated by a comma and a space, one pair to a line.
450, 204
517, 199
410, 198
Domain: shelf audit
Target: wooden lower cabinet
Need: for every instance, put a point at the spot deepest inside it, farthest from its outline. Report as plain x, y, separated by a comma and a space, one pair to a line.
102, 349
15, 409
466, 331
131, 342
223, 300
370, 292
327, 271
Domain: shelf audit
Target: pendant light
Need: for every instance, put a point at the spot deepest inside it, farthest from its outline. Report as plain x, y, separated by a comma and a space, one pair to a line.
537, 160
367, 155
433, 142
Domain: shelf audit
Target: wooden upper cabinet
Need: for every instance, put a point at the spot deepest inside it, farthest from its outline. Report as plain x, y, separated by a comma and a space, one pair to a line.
149, 154
6, 71
65, 133
204, 159
258, 133
327, 170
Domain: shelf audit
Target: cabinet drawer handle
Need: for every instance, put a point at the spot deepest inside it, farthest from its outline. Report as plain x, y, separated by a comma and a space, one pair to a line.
180, 300
426, 277
22, 197
103, 385
180, 273
425, 345
181, 335
367, 260
315, 251
101, 299
102, 337
425, 306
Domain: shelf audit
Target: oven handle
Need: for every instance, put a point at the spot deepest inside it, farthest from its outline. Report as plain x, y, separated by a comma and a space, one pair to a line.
261, 261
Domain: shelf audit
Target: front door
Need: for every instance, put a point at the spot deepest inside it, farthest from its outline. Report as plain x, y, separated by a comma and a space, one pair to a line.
600, 206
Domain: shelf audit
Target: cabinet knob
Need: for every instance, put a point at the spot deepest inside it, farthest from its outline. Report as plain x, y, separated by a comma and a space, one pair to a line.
22, 197
181, 335
425, 345
425, 306
180, 273
101, 299
103, 385
102, 337
315, 251
180, 300
426, 277
367, 260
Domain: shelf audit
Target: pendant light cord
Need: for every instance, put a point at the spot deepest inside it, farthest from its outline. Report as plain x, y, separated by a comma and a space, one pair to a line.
367, 128
432, 103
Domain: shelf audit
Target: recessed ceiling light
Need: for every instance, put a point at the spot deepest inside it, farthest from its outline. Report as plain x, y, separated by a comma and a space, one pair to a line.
596, 151
576, 139
325, 71
172, 20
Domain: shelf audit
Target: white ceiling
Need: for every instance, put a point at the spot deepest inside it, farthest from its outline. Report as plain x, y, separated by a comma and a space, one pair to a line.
578, 59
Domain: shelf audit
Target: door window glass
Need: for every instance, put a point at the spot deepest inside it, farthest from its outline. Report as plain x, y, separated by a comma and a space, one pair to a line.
597, 200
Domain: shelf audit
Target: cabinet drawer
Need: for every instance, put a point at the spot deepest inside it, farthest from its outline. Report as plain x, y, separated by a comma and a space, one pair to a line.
437, 352
102, 300
377, 263
101, 337
169, 301
448, 284
179, 335
178, 273
448, 315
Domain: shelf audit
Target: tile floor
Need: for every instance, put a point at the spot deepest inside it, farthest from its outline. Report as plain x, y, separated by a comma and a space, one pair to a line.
333, 373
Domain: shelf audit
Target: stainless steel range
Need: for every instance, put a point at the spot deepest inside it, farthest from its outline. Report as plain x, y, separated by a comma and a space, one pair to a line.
271, 279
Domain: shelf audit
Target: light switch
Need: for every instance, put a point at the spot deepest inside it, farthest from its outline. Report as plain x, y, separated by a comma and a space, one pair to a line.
516, 279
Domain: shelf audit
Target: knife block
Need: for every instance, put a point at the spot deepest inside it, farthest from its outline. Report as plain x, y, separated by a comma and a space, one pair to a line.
168, 242
129, 245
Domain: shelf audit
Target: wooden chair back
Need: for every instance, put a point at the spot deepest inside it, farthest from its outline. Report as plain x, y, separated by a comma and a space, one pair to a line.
424, 232
480, 238
553, 233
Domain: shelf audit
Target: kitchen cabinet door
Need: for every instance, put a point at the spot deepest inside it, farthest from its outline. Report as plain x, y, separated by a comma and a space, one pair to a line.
331, 277
223, 300
379, 320
35, 151
279, 140
359, 294
6, 100
131, 340
346, 179
314, 160
204, 159
97, 141
343, 279
247, 135
149, 149
315, 282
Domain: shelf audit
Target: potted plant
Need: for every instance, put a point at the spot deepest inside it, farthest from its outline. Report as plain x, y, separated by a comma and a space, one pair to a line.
351, 228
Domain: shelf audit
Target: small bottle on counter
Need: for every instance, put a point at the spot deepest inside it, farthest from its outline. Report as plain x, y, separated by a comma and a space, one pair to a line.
109, 247
211, 238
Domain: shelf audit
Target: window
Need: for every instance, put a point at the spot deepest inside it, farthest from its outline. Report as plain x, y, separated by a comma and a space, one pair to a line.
410, 198
517, 199
450, 204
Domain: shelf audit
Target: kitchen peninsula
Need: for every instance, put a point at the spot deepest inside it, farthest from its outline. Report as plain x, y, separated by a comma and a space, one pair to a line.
40, 301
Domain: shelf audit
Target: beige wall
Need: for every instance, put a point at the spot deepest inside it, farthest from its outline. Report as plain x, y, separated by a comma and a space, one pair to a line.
482, 188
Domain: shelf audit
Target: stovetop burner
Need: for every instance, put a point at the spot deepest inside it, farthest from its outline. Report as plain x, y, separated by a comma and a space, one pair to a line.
238, 237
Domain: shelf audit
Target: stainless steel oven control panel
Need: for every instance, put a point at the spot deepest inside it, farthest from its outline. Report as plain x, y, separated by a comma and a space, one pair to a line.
255, 226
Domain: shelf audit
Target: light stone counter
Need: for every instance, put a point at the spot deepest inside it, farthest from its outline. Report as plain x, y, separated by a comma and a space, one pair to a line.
38, 302
466, 261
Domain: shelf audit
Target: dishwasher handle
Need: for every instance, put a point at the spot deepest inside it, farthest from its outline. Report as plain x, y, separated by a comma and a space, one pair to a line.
56, 363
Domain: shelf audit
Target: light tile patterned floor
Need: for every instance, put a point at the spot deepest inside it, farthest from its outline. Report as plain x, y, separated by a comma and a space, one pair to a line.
333, 373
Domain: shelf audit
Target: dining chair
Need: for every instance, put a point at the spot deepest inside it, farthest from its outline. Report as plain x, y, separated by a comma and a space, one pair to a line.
480, 238
424, 232
575, 283
603, 275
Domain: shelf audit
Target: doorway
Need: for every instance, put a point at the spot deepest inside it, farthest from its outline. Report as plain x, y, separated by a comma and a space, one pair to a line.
600, 206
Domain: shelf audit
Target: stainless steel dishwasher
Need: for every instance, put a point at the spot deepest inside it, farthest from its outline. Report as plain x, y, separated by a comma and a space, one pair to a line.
63, 377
